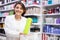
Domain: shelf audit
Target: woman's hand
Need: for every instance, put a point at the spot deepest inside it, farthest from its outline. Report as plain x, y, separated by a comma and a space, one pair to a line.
22, 34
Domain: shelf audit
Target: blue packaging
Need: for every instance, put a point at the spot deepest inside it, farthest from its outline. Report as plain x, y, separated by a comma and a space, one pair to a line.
58, 31
47, 29
52, 29
49, 1
44, 29
35, 19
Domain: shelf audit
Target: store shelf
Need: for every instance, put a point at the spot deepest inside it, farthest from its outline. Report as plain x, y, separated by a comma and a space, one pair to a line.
34, 5
2, 35
9, 3
51, 34
32, 14
51, 24
2, 16
6, 10
1, 28
53, 14
50, 5
35, 24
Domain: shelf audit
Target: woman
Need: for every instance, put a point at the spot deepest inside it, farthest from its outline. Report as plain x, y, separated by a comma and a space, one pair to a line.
15, 24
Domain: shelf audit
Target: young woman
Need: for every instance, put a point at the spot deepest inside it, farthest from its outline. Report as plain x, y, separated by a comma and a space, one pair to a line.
15, 24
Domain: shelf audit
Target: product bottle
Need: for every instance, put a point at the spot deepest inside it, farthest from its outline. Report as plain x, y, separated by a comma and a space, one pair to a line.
57, 9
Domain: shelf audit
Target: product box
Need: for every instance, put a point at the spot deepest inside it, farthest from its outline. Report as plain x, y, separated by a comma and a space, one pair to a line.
57, 20
52, 29
34, 10
47, 29
35, 19
37, 10
49, 20
50, 2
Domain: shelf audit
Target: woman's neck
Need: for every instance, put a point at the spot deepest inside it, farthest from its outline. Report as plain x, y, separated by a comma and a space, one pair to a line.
17, 17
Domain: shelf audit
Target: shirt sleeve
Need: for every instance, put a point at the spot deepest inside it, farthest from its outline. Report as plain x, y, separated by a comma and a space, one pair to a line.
7, 27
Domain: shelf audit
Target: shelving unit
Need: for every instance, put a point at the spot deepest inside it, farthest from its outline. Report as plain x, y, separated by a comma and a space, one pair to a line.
50, 5
51, 15
9, 3
32, 14
35, 23
51, 24
52, 34
34, 5
5, 10
40, 14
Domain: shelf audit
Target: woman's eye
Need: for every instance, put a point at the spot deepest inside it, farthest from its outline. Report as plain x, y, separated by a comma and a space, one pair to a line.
21, 8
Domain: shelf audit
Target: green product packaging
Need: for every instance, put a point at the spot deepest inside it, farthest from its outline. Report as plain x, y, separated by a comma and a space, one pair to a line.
27, 26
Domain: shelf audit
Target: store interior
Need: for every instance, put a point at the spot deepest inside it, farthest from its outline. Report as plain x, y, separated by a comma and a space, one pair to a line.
44, 13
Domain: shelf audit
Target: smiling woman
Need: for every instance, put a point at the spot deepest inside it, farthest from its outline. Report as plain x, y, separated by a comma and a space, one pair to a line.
15, 24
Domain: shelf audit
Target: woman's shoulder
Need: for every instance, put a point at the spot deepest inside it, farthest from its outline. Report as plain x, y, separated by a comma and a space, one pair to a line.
10, 16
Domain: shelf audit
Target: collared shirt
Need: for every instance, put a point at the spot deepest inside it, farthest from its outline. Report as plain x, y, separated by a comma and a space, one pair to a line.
14, 27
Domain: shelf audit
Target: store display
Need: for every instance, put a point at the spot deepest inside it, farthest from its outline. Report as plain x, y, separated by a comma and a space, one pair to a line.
33, 10
51, 29
35, 20
51, 26
47, 29
50, 2
49, 37
52, 20
55, 10
49, 20
1, 8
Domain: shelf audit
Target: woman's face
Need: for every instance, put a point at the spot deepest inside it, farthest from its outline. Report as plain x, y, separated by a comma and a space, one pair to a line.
18, 10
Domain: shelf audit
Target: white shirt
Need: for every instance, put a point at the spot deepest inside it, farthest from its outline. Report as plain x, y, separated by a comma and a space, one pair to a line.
14, 27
